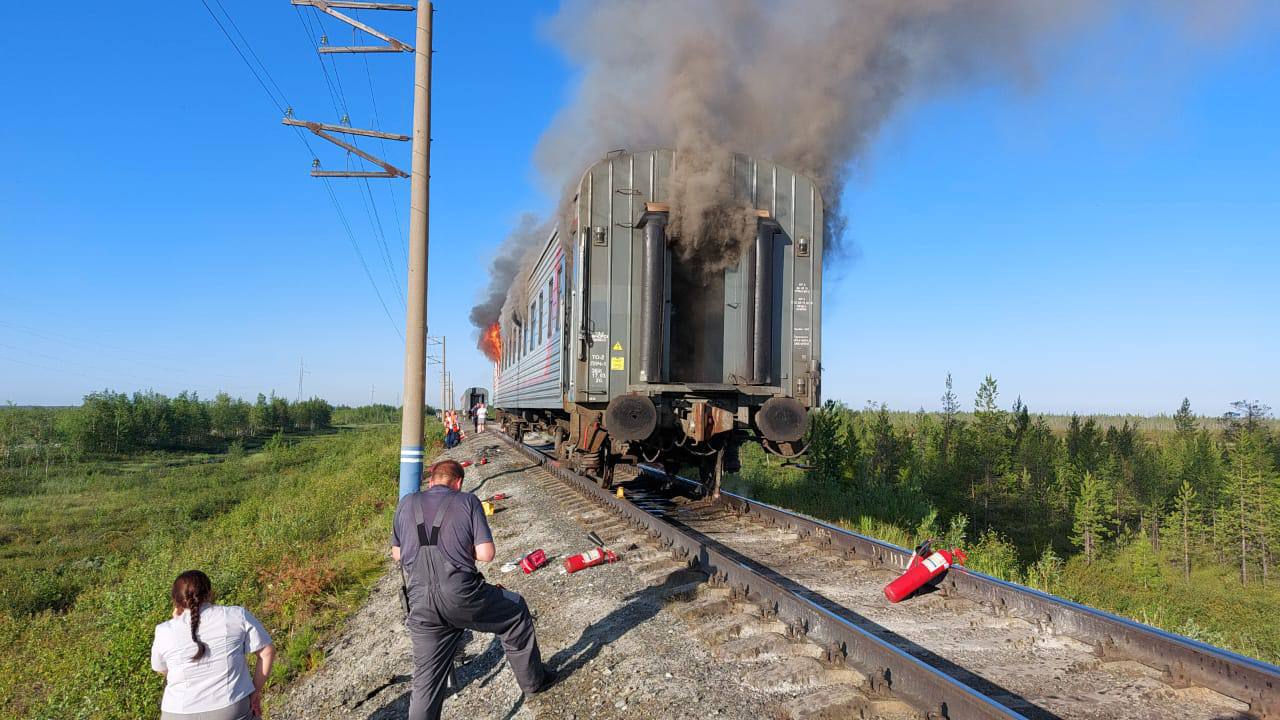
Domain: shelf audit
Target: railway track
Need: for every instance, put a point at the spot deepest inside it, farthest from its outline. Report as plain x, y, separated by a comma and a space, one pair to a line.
975, 647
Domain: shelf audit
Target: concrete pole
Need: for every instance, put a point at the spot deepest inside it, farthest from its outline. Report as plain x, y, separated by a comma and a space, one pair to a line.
415, 334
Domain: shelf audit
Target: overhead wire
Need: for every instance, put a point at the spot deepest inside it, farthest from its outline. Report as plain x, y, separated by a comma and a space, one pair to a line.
371, 206
239, 52
282, 104
377, 125
313, 29
125, 354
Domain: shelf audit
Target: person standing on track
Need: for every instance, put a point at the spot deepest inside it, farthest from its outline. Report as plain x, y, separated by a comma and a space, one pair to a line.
437, 537
480, 413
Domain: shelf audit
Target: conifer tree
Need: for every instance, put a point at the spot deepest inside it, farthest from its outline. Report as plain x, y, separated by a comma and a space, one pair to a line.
1184, 525
950, 419
1184, 420
1250, 497
1092, 516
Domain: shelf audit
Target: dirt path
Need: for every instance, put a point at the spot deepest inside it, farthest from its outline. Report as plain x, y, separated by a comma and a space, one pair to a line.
622, 651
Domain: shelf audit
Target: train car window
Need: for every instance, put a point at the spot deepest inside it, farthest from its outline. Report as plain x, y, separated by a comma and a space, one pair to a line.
533, 324
559, 296
541, 308
551, 306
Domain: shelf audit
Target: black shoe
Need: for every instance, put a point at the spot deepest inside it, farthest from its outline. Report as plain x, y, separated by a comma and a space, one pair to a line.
549, 678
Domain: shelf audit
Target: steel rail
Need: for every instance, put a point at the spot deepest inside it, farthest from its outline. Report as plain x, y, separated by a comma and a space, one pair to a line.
888, 668
1182, 660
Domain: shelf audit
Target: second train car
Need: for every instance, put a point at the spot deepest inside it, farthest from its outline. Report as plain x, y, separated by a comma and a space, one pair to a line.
623, 352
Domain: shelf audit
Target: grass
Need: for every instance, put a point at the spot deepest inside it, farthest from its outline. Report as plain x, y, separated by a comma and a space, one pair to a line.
70, 531
295, 532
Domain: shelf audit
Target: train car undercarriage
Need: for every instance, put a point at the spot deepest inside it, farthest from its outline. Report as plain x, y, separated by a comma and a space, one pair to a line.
668, 427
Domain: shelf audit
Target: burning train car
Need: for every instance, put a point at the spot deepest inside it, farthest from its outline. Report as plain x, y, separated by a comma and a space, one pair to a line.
626, 350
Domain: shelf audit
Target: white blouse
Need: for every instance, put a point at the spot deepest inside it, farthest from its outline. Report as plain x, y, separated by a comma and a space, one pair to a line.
221, 677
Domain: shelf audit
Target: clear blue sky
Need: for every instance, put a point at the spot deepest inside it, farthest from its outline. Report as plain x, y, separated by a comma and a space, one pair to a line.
1107, 241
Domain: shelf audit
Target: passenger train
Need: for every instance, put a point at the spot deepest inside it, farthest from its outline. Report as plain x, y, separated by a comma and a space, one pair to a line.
623, 352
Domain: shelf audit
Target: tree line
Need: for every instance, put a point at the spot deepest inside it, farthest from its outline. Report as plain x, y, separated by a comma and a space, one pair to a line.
116, 423
1206, 491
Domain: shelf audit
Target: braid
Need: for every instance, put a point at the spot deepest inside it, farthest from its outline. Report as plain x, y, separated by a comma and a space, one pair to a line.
193, 603
190, 590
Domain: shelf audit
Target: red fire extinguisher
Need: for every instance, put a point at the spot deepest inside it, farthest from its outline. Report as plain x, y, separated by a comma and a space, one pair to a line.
591, 558
925, 565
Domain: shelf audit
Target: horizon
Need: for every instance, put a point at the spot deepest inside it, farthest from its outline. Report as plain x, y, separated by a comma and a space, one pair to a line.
1092, 241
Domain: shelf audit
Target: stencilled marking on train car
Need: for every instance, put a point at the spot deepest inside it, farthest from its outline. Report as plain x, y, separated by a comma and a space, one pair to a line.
803, 298
598, 374
617, 363
800, 337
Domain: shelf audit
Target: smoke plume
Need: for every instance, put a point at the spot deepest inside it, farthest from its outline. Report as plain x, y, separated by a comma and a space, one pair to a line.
805, 83
503, 297
808, 84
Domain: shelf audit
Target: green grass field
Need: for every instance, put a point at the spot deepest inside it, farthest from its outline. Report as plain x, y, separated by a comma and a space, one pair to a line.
295, 531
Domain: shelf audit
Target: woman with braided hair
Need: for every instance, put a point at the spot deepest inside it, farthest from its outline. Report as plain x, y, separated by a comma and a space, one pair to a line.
201, 652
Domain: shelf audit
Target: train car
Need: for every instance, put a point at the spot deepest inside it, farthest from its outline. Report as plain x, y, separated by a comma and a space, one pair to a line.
625, 353
471, 397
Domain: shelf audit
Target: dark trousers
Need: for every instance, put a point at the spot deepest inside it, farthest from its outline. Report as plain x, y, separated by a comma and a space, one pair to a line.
436, 632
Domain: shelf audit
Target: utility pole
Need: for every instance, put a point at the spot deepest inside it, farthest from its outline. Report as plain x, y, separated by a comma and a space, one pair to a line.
301, 371
415, 335
371, 393
415, 350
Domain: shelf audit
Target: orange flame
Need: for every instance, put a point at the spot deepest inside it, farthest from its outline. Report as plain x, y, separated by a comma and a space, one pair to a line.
491, 342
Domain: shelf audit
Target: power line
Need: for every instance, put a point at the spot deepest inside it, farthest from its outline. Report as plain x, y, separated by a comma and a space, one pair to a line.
284, 107
278, 103
313, 29
249, 47
377, 125
371, 207
121, 352
360, 254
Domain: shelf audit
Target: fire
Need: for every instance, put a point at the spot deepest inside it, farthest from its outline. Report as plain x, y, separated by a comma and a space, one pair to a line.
491, 342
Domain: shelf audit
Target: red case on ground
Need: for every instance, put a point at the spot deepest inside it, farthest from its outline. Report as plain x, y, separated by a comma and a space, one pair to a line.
533, 561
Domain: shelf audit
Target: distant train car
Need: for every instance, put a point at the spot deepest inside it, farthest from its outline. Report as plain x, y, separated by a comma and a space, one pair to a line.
471, 397
623, 352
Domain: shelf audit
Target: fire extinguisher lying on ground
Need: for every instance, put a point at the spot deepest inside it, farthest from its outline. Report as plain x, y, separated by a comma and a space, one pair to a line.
597, 555
925, 565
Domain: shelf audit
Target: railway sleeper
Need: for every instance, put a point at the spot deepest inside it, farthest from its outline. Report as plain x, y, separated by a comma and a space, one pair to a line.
738, 629
742, 624
839, 702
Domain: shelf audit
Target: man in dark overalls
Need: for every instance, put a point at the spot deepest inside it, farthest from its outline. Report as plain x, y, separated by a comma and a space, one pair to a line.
447, 594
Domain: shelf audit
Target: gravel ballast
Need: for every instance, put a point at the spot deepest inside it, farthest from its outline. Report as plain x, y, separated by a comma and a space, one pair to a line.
620, 646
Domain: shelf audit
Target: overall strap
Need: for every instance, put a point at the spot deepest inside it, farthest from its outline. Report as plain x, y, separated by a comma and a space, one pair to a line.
425, 539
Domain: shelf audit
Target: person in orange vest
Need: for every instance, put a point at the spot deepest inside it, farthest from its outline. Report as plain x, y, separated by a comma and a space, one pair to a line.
452, 435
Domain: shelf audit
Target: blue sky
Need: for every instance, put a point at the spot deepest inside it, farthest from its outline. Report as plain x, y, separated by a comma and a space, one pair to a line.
1103, 241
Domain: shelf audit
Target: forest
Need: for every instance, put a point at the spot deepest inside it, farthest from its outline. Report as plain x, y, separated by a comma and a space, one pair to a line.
1121, 517
116, 423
